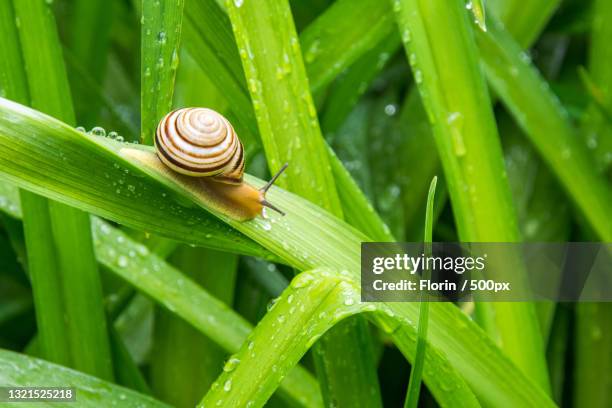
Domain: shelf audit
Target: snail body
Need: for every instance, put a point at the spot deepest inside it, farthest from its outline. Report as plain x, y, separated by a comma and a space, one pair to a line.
200, 142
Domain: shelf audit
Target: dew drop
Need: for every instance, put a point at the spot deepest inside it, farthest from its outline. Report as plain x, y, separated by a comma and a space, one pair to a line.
455, 121
98, 131
390, 109
231, 364
301, 281
418, 76
406, 36
122, 261
313, 51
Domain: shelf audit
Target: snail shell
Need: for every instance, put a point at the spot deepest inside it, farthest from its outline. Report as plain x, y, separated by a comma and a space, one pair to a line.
200, 142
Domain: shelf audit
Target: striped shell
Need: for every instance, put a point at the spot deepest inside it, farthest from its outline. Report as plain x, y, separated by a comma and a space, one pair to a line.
200, 142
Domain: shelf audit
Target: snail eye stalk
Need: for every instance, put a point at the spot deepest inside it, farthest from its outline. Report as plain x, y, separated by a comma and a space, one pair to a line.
268, 204
265, 189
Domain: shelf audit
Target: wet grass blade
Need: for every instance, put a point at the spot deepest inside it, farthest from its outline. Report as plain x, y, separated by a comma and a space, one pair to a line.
160, 37
338, 37
62, 259
524, 20
593, 331
89, 39
420, 160
351, 84
414, 385
470, 152
314, 302
597, 122
22, 371
478, 10
127, 372
289, 129
42, 268
180, 349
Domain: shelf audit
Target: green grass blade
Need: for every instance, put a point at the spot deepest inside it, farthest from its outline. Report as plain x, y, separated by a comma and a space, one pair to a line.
414, 385
13, 82
524, 20
289, 129
314, 302
350, 143
182, 351
339, 36
42, 264
46, 279
421, 161
468, 145
297, 238
267, 276
41, 257
127, 372
89, 39
282, 337
593, 355
540, 114
597, 125
84, 323
160, 34
358, 211
21, 371
557, 354
544, 215
353, 82
83, 302
99, 97
593, 351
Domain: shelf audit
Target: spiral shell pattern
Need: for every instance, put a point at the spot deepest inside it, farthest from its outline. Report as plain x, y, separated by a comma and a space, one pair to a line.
202, 143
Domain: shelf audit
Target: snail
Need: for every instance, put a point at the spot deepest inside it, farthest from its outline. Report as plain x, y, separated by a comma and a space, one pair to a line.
200, 142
